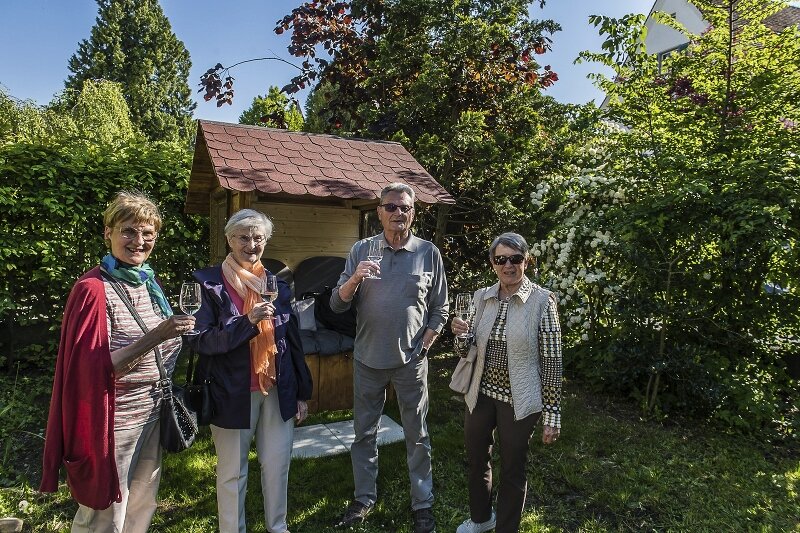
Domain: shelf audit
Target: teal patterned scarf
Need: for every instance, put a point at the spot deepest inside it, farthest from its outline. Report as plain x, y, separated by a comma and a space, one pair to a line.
136, 276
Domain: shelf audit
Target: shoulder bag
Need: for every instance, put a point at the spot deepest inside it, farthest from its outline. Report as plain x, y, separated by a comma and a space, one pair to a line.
197, 396
462, 375
178, 424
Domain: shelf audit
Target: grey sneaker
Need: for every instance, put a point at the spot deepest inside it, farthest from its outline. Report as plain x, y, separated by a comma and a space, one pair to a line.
355, 514
468, 526
424, 521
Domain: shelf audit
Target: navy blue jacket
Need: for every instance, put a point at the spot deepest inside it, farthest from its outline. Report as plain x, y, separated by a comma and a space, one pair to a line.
223, 346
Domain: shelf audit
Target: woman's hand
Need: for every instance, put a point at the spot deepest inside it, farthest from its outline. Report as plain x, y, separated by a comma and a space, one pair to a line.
174, 326
302, 411
260, 312
550, 434
459, 326
125, 358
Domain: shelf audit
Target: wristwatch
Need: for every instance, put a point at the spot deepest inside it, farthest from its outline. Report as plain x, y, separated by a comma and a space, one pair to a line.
423, 352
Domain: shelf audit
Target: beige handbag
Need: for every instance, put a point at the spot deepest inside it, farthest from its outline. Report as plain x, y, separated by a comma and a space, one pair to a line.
462, 375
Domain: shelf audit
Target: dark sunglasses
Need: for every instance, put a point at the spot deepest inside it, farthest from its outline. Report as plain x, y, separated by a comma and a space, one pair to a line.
515, 259
394, 207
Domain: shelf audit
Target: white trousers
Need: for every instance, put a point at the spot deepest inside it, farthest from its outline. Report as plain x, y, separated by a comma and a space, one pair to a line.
138, 456
274, 439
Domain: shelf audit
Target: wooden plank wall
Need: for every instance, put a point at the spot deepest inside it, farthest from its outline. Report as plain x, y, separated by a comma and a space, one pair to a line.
219, 215
303, 231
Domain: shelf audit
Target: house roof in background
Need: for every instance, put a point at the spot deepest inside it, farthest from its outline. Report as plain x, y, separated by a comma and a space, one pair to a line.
788, 16
252, 158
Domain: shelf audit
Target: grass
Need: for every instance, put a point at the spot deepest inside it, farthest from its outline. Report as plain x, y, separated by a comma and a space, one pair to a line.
610, 471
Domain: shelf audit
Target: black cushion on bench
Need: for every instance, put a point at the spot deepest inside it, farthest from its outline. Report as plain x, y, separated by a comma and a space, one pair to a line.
325, 342
315, 273
279, 269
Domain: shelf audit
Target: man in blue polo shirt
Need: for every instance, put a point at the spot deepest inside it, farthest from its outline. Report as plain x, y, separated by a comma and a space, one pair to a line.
400, 314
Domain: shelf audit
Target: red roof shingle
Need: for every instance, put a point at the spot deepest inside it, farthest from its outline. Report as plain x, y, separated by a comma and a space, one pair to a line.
247, 158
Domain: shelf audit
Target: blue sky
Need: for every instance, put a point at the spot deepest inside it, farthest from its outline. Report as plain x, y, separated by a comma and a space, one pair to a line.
37, 38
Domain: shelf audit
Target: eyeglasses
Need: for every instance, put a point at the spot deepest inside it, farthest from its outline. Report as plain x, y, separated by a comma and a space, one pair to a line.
394, 207
502, 259
244, 240
130, 234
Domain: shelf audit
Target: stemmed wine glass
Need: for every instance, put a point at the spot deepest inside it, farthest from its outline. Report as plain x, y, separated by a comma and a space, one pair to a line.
375, 254
190, 301
269, 289
464, 309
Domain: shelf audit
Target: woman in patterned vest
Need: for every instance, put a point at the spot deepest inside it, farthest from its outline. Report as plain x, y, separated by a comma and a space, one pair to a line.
515, 383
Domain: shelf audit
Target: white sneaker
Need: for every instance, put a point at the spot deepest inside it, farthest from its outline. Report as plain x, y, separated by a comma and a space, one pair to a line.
468, 526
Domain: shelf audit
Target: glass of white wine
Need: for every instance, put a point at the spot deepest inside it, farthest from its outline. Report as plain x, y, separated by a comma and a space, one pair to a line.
464, 309
375, 254
191, 300
269, 289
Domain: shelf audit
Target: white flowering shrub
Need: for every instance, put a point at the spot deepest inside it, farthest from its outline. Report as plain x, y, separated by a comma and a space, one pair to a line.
579, 259
675, 247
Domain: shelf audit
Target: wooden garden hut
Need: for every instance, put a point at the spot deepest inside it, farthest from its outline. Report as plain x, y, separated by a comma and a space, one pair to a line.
321, 192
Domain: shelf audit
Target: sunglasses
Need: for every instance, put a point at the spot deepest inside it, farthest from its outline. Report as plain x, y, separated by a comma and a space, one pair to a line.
394, 207
515, 259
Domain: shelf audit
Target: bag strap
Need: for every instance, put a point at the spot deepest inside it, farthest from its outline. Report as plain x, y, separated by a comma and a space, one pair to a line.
190, 367
481, 304
115, 284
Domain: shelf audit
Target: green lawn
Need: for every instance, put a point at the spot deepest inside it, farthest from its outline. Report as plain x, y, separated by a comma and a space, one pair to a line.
609, 471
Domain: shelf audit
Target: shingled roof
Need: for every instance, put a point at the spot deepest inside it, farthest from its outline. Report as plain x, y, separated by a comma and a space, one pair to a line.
294, 164
788, 16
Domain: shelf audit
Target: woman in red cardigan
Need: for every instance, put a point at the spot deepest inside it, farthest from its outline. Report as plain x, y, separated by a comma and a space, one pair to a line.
103, 422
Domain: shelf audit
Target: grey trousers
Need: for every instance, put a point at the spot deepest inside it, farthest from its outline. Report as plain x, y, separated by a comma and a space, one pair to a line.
274, 438
369, 397
138, 456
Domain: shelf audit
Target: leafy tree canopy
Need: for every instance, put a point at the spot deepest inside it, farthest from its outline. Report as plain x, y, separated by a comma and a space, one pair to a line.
132, 43
458, 83
273, 110
676, 248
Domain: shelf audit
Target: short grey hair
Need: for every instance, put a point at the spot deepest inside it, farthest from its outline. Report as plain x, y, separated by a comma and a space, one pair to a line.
512, 240
249, 219
400, 187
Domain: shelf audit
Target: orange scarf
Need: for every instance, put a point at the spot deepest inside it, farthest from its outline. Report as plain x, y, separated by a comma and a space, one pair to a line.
247, 284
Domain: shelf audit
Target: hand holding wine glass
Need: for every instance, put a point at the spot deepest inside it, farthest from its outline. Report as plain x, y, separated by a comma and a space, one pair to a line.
464, 309
190, 301
269, 289
375, 254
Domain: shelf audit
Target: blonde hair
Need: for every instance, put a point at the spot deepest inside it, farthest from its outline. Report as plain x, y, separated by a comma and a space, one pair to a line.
131, 205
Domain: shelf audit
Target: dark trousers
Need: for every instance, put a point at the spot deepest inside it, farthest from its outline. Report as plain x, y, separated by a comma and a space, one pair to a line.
514, 436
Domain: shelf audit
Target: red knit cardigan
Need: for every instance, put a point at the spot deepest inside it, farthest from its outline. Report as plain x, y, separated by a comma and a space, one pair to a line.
80, 427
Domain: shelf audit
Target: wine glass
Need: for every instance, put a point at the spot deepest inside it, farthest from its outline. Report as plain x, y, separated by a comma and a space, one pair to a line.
190, 301
269, 289
464, 309
375, 254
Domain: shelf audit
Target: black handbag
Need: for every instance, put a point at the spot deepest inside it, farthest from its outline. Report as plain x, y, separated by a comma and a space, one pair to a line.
178, 424
197, 396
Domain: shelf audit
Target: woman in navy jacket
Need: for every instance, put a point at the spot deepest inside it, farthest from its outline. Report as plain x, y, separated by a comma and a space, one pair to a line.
250, 352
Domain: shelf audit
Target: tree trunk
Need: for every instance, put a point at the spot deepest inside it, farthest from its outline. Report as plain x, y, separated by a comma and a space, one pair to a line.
442, 217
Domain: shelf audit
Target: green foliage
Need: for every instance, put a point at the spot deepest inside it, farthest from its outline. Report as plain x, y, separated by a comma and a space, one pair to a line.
132, 43
273, 110
459, 84
58, 179
675, 226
